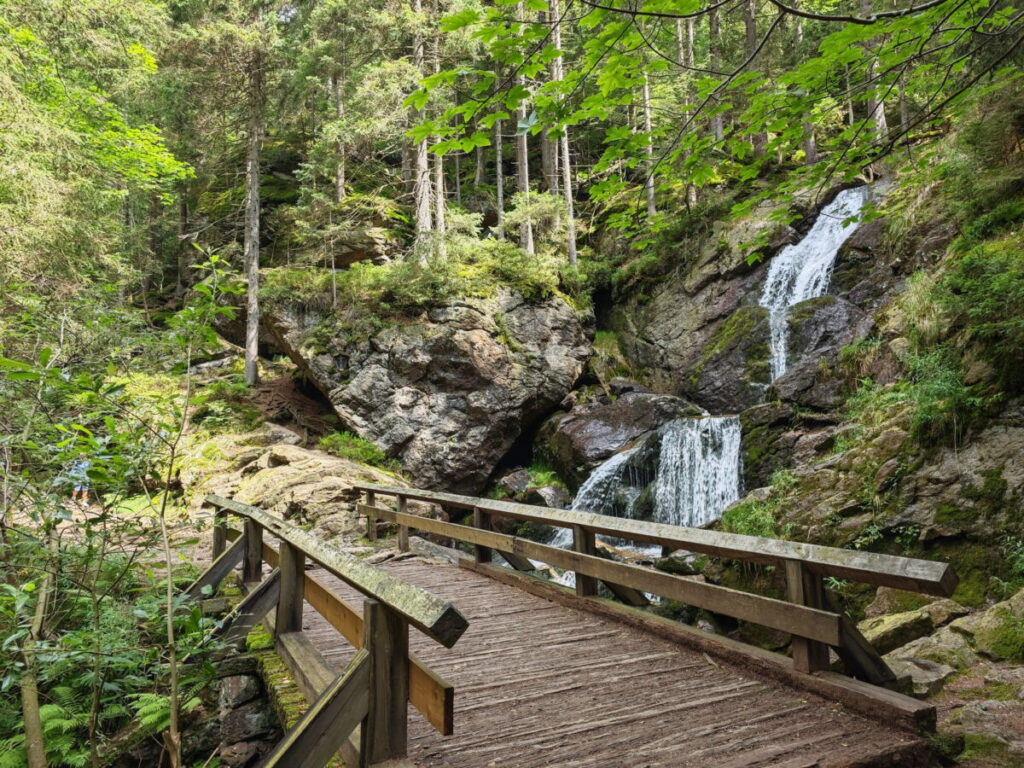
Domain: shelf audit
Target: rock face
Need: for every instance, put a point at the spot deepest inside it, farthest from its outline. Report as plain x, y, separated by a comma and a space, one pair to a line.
305, 486
448, 394
818, 329
578, 441
683, 334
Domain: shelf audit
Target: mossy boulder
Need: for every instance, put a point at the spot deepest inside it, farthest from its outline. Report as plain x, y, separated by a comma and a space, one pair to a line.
887, 633
733, 367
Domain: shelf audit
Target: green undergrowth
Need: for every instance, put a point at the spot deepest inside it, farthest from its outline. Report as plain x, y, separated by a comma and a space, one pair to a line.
760, 517
346, 445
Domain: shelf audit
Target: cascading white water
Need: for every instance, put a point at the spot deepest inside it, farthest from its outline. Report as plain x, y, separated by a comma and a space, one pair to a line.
802, 271
697, 476
698, 471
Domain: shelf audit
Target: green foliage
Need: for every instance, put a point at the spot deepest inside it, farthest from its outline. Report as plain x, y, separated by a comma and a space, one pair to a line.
940, 406
542, 474
760, 517
984, 293
348, 446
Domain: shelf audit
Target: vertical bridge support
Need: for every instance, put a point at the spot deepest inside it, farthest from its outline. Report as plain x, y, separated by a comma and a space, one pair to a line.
806, 588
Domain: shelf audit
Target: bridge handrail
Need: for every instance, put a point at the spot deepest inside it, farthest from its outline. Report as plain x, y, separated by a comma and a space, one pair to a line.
911, 574
435, 617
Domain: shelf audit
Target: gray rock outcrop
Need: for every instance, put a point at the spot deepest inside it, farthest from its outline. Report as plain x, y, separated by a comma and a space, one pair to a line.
448, 394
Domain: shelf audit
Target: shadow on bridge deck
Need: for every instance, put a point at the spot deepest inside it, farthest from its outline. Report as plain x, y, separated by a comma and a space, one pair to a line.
541, 684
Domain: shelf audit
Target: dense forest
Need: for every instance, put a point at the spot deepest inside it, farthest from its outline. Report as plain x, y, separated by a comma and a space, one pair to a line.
436, 242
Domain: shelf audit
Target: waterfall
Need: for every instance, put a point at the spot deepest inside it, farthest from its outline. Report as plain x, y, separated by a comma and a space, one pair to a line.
802, 271
698, 471
695, 475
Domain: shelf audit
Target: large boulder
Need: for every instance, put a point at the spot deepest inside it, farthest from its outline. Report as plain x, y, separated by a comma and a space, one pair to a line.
450, 393
578, 441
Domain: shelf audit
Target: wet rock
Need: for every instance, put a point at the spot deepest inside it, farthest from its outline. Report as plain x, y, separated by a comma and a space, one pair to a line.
449, 394
947, 647
243, 754
250, 722
237, 690
578, 441
732, 369
818, 329
620, 386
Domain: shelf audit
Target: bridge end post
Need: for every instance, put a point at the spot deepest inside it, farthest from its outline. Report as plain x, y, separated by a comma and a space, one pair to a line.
371, 519
806, 588
384, 735
252, 560
482, 520
583, 542
292, 564
403, 530
220, 533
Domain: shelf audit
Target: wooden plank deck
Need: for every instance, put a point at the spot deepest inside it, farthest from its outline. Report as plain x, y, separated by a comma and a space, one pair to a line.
540, 684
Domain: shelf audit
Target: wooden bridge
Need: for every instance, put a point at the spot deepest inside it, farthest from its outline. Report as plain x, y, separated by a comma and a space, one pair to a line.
510, 669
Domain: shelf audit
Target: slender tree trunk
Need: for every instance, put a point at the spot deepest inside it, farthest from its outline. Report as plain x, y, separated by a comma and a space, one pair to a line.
523, 161
252, 219
759, 139
478, 175
339, 147
35, 740
458, 178
648, 146
565, 162
850, 117
549, 161
440, 195
715, 60
499, 181
421, 178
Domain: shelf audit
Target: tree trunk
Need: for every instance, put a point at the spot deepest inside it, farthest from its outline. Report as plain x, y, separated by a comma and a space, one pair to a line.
478, 175
565, 163
715, 56
421, 172
523, 161
339, 147
440, 196
648, 146
252, 219
759, 139
499, 181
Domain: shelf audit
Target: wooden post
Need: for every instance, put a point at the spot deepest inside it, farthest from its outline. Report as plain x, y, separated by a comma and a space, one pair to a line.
371, 519
482, 520
292, 565
384, 735
806, 588
583, 542
403, 530
220, 536
252, 563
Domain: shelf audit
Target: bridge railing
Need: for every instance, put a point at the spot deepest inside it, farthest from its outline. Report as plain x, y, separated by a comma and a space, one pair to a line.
805, 615
374, 690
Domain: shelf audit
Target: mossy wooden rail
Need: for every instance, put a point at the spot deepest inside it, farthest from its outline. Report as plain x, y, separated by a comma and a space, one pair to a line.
373, 691
805, 615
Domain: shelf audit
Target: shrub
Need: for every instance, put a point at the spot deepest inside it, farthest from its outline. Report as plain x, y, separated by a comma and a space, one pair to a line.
345, 445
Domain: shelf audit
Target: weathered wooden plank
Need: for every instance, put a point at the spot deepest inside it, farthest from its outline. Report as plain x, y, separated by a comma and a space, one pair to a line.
429, 693
811, 623
252, 563
861, 660
805, 588
311, 671
218, 570
292, 565
431, 615
879, 703
327, 723
385, 731
251, 610
930, 577
371, 520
